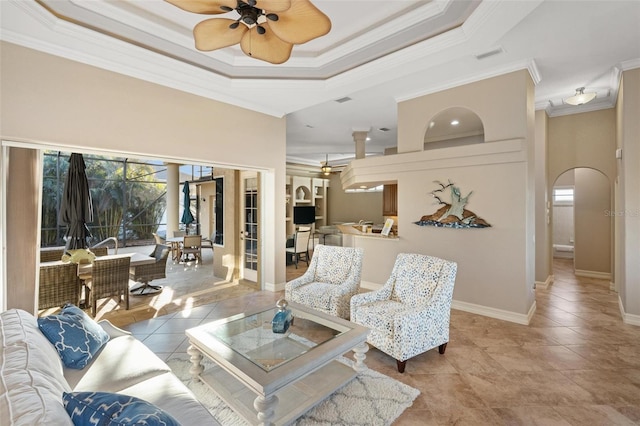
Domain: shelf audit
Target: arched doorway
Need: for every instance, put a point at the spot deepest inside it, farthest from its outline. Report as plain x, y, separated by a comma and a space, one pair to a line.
582, 227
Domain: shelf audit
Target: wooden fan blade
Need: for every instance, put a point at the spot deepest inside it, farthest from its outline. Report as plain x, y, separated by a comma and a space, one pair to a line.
274, 5
267, 47
215, 33
206, 7
301, 23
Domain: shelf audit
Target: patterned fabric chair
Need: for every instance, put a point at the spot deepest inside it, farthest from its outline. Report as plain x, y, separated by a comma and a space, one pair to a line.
59, 284
109, 277
152, 271
410, 314
331, 279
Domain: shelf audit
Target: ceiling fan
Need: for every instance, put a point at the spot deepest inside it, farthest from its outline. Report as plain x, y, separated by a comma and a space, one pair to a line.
265, 29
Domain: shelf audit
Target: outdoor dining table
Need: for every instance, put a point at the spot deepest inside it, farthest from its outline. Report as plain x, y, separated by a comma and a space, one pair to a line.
175, 246
84, 269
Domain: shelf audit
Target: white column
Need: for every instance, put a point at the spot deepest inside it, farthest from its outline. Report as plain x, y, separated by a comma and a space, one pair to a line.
360, 137
173, 198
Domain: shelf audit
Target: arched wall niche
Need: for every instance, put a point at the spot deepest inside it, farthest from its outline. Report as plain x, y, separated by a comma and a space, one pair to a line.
456, 126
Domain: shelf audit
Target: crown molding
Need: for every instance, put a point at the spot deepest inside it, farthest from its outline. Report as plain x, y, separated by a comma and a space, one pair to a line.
495, 72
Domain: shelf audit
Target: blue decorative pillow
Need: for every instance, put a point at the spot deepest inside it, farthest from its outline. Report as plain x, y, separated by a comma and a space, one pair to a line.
75, 335
110, 409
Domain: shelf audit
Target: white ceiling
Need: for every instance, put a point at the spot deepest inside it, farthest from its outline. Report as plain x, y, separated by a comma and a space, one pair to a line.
377, 53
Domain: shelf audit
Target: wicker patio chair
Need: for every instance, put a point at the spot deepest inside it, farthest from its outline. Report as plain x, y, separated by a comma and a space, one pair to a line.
51, 255
152, 271
109, 277
59, 284
100, 251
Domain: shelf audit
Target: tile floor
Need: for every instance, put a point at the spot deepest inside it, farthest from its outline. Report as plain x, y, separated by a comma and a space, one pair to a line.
575, 364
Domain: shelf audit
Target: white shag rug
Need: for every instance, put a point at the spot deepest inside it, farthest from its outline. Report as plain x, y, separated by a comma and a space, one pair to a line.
370, 399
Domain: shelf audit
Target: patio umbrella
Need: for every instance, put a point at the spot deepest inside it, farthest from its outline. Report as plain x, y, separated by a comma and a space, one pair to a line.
76, 209
187, 217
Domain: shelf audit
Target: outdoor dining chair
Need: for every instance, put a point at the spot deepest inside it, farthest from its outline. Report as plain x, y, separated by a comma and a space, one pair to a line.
109, 278
59, 284
192, 245
208, 242
153, 271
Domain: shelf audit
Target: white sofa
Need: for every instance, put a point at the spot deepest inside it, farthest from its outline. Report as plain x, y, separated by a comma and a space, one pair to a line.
33, 378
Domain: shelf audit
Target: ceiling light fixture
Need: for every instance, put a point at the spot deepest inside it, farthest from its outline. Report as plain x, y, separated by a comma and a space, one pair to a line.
265, 29
326, 168
580, 97
455, 122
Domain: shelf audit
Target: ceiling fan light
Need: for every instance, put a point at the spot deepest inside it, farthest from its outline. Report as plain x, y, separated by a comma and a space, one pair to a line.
234, 25
272, 17
326, 168
580, 97
261, 30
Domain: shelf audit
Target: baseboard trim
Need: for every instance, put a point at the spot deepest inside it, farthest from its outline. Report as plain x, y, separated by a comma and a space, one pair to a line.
546, 283
274, 287
593, 274
630, 319
494, 312
370, 285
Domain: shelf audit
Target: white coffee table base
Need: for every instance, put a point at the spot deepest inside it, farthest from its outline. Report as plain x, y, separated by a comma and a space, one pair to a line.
286, 405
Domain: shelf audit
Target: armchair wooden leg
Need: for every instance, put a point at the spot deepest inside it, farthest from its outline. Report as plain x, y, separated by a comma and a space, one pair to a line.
442, 348
401, 365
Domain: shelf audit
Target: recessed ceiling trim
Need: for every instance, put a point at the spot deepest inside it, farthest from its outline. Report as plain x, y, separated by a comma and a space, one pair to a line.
90, 47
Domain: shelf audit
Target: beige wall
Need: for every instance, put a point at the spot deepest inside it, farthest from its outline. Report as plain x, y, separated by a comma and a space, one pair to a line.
22, 202
351, 207
486, 98
496, 265
592, 200
627, 209
543, 207
50, 100
584, 140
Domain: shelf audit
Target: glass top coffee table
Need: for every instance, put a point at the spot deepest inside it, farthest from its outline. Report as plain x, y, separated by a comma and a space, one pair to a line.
271, 378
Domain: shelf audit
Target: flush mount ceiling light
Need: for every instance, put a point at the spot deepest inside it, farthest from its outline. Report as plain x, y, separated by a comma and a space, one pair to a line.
326, 168
580, 97
265, 29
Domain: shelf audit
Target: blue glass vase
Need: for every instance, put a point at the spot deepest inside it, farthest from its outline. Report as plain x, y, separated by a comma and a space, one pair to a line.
283, 318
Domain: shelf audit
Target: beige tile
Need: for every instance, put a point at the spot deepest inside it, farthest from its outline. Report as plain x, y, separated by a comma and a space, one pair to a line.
576, 363
594, 415
524, 416
540, 388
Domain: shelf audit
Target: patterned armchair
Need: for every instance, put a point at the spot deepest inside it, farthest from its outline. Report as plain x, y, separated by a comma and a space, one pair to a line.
410, 314
331, 279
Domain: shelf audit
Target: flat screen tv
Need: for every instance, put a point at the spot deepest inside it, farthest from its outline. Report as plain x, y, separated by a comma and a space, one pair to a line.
303, 215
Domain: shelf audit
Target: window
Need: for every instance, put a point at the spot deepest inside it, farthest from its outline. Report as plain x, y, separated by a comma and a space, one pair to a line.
563, 195
218, 212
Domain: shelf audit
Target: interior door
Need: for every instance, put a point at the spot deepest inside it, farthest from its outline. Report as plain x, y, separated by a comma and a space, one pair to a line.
249, 227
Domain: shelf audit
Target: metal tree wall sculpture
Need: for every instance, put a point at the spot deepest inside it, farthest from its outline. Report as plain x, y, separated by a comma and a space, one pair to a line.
452, 214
